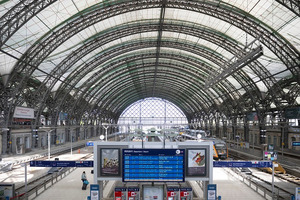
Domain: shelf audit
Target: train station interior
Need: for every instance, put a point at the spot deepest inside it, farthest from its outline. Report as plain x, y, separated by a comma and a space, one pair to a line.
153, 99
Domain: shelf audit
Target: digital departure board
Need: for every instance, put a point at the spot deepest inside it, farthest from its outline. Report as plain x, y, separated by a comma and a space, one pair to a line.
153, 165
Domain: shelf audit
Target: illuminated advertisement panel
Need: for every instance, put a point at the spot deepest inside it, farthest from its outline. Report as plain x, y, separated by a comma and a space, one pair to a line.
110, 162
196, 162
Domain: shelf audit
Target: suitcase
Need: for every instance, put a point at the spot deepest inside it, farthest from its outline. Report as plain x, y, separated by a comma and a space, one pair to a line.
84, 186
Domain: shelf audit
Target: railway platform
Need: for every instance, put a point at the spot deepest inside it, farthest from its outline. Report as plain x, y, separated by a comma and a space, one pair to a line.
228, 187
8, 161
289, 160
69, 187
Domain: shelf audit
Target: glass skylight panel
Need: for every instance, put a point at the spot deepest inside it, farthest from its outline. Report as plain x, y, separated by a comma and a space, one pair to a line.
47, 67
262, 87
276, 15
56, 86
282, 75
81, 5
275, 68
85, 78
200, 41
24, 37
188, 54
212, 91
233, 81
40, 76
291, 32
244, 5
253, 76
5, 7
7, 63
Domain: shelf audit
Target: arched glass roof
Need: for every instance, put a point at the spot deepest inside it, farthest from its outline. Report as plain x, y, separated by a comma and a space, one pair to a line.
101, 56
153, 111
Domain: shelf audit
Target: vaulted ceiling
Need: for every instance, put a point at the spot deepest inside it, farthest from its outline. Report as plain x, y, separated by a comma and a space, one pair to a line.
78, 57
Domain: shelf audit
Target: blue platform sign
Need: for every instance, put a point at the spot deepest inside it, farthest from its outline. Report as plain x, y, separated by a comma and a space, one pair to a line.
95, 192
254, 164
42, 163
90, 144
211, 192
295, 144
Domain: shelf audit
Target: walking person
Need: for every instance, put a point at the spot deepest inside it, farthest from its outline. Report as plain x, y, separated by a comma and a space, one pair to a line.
83, 176
84, 180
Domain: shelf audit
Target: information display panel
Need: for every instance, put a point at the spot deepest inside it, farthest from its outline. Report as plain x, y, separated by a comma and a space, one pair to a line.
153, 165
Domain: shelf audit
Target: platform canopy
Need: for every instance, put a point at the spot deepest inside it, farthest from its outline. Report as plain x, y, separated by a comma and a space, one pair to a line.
95, 58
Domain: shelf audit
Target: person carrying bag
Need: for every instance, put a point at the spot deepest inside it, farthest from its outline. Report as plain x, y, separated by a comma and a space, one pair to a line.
84, 181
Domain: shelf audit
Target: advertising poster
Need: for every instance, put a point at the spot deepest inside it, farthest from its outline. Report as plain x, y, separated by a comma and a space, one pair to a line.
196, 162
297, 194
7, 190
110, 162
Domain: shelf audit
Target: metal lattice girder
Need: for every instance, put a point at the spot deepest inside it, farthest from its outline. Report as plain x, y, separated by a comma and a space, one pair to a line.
123, 80
19, 15
92, 82
292, 5
108, 73
293, 91
230, 14
85, 68
249, 57
185, 91
129, 95
200, 11
23, 11
118, 77
168, 42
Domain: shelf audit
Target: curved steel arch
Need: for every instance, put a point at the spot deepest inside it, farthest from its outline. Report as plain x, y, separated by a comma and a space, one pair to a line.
22, 12
292, 5
96, 78
132, 98
124, 61
220, 10
101, 40
19, 15
141, 101
88, 64
124, 83
119, 83
77, 53
287, 48
183, 85
168, 93
152, 64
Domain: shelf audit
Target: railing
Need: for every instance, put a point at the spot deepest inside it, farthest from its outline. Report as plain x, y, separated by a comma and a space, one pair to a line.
261, 190
46, 184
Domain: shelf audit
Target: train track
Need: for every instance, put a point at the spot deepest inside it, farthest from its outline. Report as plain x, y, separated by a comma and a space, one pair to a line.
287, 177
284, 194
